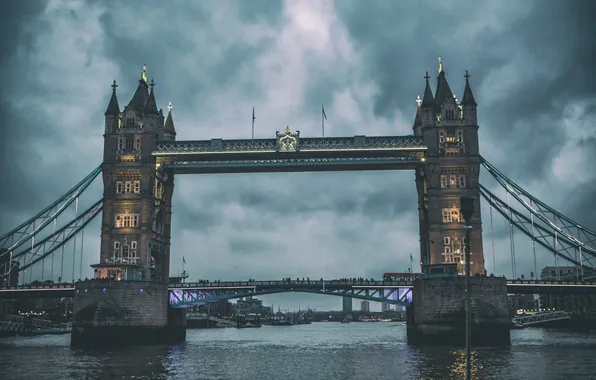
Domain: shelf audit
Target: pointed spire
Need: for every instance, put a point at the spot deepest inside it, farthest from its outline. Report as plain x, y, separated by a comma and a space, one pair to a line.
113, 107
139, 99
418, 119
443, 91
428, 98
468, 98
169, 124
151, 106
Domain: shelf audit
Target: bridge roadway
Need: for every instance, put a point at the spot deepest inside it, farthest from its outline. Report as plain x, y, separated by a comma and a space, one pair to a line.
324, 287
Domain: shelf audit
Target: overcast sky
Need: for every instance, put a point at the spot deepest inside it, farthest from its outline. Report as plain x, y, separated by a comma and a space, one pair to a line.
532, 65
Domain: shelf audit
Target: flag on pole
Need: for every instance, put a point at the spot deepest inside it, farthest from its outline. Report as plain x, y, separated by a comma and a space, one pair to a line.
253, 123
323, 118
183, 260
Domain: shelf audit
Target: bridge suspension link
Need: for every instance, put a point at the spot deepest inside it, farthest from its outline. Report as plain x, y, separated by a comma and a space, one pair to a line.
30, 228
584, 237
56, 240
544, 234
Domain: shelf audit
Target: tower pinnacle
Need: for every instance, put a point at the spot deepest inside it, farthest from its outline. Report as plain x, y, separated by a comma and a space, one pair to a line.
427, 99
113, 107
144, 74
440, 64
468, 98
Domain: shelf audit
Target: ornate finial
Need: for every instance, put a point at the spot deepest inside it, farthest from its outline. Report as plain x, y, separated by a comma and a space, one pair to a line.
440, 64
144, 74
467, 75
288, 132
114, 85
170, 106
427, 77
455, 97
418, 101
152, 84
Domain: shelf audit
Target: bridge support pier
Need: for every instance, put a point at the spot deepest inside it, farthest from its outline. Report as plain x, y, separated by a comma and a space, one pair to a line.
115, 313
437, 313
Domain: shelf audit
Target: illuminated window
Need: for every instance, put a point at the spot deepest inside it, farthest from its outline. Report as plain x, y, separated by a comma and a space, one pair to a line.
116, 245
450, 136
127, 220
127, 187
138, 143
453, 180
451, 215
446, 240
441, 136
460, 136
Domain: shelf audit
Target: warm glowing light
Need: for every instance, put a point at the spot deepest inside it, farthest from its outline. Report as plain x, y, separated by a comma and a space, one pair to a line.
144, 74
418, 101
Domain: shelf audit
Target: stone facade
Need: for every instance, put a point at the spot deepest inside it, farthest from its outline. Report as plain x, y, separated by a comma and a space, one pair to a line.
125, 312
450, 171
437, 312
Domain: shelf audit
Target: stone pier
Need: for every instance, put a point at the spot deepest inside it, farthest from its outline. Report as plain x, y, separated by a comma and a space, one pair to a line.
437, 313
115, 313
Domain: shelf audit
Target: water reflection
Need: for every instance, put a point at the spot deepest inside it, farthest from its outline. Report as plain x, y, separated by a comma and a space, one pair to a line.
122, 363
318, 351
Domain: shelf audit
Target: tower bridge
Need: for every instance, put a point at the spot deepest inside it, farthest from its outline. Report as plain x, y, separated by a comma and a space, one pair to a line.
142, 157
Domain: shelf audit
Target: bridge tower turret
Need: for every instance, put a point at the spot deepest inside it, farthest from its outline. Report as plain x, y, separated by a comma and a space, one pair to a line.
135, 232
450, 171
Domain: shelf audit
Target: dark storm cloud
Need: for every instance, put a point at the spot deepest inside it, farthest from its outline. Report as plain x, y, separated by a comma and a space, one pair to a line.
19, 192
557, 36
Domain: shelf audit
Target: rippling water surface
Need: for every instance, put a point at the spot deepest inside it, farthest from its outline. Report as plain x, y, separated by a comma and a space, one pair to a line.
358, 351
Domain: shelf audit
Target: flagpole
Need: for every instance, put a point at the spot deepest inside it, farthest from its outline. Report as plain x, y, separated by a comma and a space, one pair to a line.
253, 123
323, 120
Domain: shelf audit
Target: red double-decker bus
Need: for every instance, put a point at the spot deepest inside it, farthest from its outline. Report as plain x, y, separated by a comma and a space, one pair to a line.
400, 276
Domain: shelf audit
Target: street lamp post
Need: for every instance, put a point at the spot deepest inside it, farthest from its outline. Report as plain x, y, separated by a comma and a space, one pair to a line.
467, 210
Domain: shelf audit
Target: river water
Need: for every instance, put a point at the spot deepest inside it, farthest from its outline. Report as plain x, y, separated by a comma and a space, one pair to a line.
355, 351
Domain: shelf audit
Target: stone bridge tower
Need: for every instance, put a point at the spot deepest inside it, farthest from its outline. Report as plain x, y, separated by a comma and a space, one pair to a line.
136, 222
451, 171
